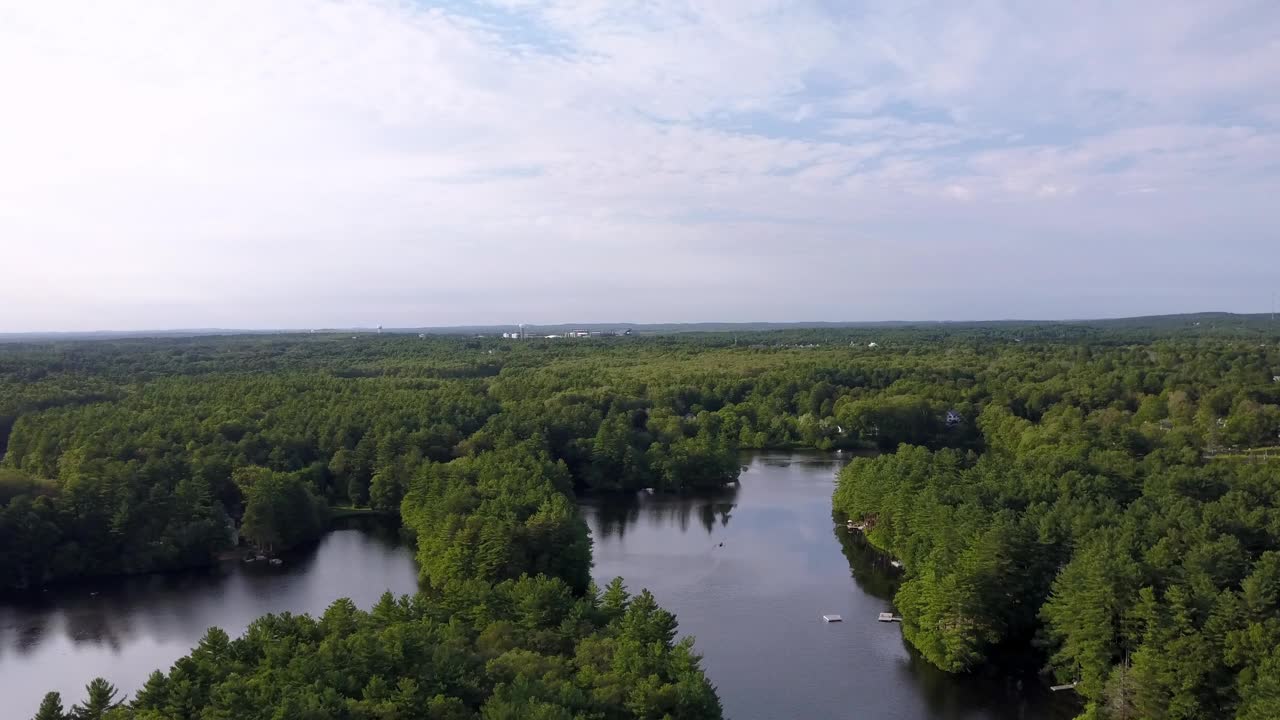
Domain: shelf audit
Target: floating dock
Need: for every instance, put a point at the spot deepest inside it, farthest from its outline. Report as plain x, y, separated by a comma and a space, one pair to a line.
889, 617
832, 618
1068, 686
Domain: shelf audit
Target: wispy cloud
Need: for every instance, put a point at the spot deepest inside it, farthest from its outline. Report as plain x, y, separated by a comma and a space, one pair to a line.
314, 162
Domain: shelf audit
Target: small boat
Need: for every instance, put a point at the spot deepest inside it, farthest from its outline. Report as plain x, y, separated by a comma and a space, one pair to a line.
896, 564
277, 561
832, 618
889, 617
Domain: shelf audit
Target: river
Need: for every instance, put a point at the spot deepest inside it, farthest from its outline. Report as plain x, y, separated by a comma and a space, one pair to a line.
749, 572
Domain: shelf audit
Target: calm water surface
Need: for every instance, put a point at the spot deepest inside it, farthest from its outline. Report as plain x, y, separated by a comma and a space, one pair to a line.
755, 603
124, 628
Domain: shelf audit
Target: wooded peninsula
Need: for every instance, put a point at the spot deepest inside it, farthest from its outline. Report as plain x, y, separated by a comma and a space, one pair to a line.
1103, 498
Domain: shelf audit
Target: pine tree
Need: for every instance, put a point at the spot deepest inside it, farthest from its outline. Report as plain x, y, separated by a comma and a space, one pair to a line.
101, 699
154, 693
614, 600
51, 708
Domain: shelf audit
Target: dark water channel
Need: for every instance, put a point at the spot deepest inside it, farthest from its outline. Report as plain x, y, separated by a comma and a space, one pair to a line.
755, 603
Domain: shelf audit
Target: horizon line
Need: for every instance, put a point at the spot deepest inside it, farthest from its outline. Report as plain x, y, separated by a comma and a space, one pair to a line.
632, 324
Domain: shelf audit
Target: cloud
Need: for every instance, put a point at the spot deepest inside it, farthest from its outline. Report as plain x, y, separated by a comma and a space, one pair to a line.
317, 162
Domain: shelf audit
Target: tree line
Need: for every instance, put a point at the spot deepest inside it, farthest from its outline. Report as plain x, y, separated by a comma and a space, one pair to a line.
1028, 462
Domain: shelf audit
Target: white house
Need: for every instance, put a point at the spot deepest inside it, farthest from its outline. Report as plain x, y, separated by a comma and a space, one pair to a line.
954, 418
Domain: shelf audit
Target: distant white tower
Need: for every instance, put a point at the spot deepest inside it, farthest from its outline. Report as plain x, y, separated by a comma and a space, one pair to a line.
379, 329
521, 331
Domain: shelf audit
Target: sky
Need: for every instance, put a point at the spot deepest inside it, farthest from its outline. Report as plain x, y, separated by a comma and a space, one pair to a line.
316, 163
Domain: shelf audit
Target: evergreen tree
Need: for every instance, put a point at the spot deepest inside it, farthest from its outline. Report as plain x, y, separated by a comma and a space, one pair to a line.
99, 702
51, 708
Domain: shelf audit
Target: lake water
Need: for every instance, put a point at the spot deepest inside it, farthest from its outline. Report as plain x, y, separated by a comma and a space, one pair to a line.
122, 629
750, 573
754, 603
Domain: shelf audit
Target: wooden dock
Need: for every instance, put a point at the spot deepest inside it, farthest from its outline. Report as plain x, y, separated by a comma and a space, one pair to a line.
890, 617
1068, 686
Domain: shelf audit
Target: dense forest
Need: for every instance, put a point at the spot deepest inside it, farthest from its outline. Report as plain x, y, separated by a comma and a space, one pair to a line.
528, 648
1101, 495
1122, 515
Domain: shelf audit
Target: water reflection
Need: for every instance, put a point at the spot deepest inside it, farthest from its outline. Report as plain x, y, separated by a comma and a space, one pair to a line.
869, 567
615, 513
750, 571
122, 629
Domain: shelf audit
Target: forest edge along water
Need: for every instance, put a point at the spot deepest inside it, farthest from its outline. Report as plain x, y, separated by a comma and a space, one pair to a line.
748, 571
122, 628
